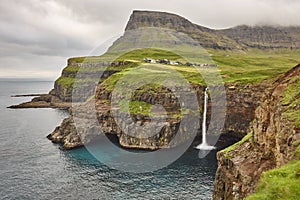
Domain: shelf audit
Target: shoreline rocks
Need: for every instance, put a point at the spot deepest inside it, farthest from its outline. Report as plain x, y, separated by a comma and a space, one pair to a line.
42, 101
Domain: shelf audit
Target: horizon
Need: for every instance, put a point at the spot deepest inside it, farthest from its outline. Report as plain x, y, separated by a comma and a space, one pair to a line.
69, 29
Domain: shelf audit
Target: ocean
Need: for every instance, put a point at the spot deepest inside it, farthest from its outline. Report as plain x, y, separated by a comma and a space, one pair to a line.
31, 167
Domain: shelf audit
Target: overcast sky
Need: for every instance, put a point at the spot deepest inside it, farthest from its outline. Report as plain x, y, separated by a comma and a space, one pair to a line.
37, 36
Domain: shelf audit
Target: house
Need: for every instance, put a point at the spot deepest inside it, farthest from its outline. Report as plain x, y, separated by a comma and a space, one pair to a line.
164, 61
174, 63
189, 64
149, 60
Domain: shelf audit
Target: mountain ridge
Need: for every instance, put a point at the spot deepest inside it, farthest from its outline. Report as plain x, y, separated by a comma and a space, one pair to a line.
238, 37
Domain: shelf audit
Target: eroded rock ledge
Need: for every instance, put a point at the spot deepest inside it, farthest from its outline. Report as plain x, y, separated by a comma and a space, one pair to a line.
42, 101
242, 100
270, 144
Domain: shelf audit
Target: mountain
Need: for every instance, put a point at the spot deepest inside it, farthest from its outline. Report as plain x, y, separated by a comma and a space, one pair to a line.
206, 37
239, 37
264, 37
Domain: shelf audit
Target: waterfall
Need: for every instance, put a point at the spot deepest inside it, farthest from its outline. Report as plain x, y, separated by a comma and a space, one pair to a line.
204, 145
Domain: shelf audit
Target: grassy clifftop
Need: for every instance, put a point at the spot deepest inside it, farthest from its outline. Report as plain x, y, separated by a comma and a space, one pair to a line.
284, 182
244, 67
266, 162
167, 36
281, 183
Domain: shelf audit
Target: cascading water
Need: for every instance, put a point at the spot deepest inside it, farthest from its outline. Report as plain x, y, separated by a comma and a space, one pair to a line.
204, 145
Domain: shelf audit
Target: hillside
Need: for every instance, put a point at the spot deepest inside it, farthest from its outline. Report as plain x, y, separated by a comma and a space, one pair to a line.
264, 37
239, 60
272, 142
240, 37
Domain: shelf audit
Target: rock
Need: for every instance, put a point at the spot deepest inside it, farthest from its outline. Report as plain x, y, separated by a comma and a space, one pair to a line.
232, 88
240, 112
239, 170
43, 101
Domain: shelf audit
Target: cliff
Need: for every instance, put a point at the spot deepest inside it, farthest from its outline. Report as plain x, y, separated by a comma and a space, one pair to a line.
208, 38
264, 37
272, 143
239, 37
241, 104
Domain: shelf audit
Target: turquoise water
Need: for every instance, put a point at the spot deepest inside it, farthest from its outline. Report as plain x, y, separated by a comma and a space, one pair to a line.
34, 168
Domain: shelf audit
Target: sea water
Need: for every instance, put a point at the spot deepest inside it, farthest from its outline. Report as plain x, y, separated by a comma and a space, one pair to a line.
31, 167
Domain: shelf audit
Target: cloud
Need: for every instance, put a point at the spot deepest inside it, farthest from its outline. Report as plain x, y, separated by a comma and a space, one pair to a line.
37, 36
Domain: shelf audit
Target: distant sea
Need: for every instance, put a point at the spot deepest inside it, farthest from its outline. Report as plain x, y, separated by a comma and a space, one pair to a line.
31, 167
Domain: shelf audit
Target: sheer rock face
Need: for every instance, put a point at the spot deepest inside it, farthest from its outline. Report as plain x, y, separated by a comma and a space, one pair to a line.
242, 100
270, 146
264, 37
240, 37
83, 90
241, 103
207, 38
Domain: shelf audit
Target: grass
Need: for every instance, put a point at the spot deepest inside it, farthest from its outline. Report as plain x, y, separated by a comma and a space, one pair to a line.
297, 153
68, 82
144, 108
284, 182
75, 69
135, 107
292, 101
70, 79
155, 74
254, 65
156, 54
231, 148
242, 67
281, 183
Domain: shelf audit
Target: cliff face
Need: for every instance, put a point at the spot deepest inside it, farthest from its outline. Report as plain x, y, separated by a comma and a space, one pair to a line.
240, 37
264, 37
89, 73
271, 143
206, 37
241, 103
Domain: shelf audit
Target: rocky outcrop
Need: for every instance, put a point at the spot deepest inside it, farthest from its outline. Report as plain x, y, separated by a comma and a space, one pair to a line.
42, 101
270, 144
240, 37
63, 94
242, 101
90, 72
264, 37
206, 37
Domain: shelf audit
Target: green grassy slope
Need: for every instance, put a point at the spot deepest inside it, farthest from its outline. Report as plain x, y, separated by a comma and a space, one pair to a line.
254, 65
292, 100
281, 183
236, 67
